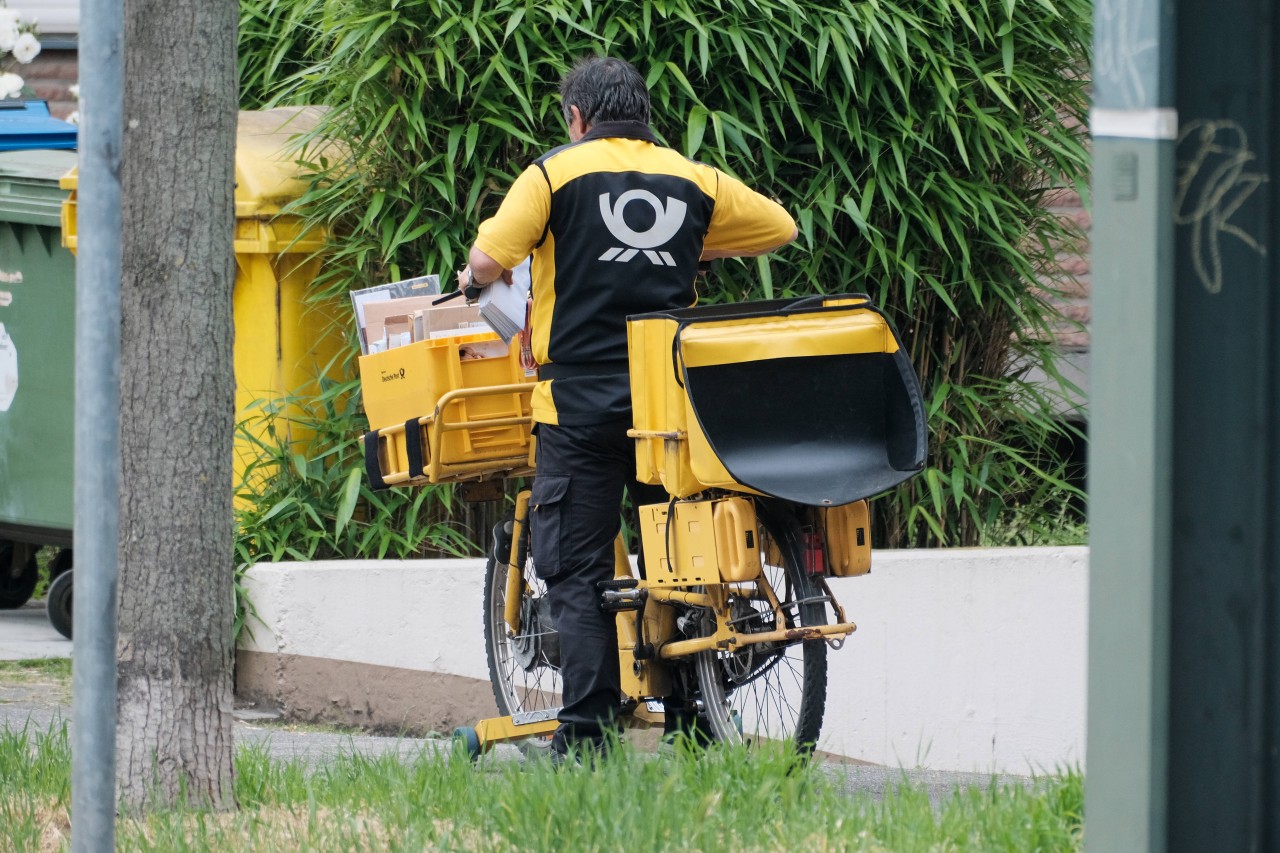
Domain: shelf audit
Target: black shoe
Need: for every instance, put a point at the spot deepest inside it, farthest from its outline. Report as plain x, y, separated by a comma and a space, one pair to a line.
683, 729
578, 751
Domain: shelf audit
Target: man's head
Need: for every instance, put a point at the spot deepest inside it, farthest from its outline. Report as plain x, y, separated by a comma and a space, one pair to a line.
604, 89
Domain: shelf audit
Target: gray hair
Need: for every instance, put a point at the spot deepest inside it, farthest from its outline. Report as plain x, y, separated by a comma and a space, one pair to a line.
605, 89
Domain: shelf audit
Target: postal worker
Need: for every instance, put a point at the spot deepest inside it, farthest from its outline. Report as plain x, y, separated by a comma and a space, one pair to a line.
617, 224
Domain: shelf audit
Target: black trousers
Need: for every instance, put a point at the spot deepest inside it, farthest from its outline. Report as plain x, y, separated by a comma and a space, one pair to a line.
574, 518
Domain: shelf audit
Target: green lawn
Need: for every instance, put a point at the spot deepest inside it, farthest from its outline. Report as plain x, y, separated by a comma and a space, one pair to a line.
724, 800
44, 682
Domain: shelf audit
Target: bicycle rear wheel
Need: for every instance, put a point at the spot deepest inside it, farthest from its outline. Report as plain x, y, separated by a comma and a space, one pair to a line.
773, 691
524, 669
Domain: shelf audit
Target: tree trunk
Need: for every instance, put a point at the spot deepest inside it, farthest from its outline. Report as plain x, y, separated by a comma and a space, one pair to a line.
177, 404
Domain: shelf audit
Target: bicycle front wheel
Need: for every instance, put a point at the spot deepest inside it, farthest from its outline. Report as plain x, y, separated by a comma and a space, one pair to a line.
524, 666
770, 691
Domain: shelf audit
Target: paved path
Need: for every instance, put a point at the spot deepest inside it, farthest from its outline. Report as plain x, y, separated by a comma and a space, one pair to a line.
26, 634
318, 747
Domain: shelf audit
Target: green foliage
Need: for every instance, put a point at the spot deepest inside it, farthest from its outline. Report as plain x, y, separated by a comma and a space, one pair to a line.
914, 140
273, 41
305, 497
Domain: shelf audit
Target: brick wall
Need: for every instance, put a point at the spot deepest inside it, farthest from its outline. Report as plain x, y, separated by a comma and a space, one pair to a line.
50, 76
1073, 278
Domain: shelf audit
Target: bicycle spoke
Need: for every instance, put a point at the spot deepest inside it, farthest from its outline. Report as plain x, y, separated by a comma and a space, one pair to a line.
770, 691
521, 676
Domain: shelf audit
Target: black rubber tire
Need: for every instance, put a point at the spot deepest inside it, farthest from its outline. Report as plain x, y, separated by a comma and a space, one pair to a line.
524, 670
782, 694
59, 603
16, 591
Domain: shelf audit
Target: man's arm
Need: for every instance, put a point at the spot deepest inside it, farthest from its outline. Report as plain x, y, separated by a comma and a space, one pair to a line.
506, 238
745, 223
482, 270
714, 254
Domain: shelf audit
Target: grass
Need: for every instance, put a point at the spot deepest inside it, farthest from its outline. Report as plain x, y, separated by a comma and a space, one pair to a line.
45, 681
726, 800
37, 669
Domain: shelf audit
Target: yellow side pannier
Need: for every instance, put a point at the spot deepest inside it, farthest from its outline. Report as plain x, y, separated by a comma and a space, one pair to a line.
809, 399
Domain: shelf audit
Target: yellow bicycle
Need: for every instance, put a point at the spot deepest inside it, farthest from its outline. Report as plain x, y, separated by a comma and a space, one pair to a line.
769, 424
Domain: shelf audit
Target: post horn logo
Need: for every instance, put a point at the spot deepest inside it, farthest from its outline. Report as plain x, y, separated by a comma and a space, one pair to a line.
667, 221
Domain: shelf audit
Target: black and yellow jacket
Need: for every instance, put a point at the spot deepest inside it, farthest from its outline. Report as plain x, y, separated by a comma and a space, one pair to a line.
616, 224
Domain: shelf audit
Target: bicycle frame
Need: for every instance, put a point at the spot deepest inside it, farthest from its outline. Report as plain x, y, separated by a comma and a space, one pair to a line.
647, 634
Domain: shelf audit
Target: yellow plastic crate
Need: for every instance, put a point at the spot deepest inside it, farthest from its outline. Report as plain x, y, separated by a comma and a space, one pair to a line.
829, 345
446, 409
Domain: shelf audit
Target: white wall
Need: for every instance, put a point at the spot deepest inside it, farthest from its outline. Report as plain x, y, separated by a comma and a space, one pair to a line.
414, 614
969, 660
51, 16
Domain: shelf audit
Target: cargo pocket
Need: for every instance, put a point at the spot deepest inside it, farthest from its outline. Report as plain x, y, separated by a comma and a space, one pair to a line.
546, 530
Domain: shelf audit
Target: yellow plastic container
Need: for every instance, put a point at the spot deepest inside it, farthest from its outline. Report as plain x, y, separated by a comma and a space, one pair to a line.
671, 446
714, 541
848, 536
283, 344
446, 409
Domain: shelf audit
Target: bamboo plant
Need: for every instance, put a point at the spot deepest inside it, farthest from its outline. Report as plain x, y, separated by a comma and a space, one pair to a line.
915, 141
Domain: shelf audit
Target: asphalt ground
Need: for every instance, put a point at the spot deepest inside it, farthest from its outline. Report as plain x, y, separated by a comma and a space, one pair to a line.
25, 634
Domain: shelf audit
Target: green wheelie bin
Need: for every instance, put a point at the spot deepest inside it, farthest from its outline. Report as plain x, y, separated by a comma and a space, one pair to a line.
37, 377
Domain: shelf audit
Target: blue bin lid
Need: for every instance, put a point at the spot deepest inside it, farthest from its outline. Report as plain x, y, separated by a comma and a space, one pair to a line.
27, 124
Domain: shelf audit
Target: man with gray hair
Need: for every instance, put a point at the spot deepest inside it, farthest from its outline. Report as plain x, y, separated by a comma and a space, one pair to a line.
617, 225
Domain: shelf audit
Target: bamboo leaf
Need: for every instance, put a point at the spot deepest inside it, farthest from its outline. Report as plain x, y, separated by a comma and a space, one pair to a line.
696, 129
347, 506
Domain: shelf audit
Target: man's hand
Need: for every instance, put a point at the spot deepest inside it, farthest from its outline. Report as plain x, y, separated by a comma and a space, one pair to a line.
470, 286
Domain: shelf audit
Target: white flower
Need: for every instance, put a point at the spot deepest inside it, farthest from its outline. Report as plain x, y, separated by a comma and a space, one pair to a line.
9, 17
74, 89
10, 85
26, 48
8, 35
74, 118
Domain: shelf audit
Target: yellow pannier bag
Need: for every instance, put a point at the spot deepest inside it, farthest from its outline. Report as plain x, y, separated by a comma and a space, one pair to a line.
812, 400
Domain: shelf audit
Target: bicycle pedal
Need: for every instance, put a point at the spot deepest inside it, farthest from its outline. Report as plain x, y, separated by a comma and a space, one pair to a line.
618, 583
621, 606
622, 600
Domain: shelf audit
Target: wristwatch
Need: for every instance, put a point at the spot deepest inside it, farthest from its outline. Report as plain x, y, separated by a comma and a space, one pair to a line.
472, 291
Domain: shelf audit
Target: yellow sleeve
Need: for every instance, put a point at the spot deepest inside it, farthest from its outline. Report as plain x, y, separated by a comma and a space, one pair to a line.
510, 234
744, 220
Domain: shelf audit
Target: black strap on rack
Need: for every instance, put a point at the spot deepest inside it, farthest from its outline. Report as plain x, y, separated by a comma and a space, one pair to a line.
413, 447
671, 524
371, 468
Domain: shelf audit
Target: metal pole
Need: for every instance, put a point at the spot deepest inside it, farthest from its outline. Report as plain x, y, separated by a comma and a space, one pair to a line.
1130, 410
1223, 654
97, 439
